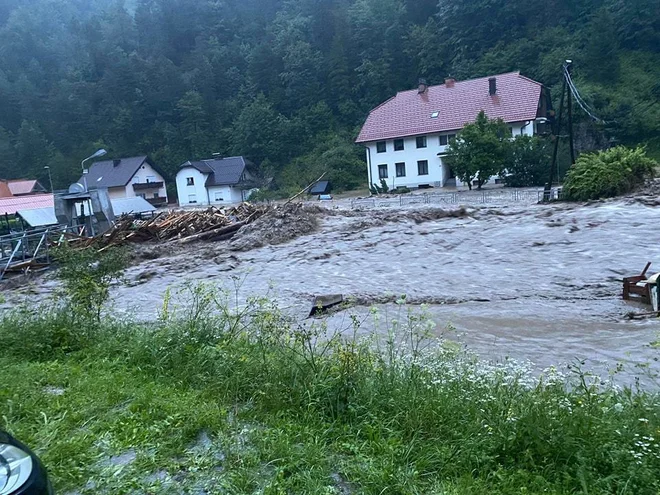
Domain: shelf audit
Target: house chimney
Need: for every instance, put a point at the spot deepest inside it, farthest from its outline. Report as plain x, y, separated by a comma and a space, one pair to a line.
422, 86
116, 162
492, 86
449, 82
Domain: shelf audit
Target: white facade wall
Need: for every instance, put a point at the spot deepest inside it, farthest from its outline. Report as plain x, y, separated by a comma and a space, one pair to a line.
187, 193
117, 192
439, 173
146, 173
223, 195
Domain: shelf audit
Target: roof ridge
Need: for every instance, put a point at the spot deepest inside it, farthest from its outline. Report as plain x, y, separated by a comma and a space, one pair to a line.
387, 101
144, 157
529, 79
459, 81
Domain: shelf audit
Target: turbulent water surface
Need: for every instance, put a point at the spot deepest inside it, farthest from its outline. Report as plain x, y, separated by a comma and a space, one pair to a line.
528, 282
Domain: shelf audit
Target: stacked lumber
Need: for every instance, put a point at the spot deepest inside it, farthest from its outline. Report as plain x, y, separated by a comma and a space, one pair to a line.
210, 224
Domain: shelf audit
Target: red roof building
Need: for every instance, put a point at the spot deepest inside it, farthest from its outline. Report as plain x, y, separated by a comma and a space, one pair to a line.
11, 205
407, 135
22, 187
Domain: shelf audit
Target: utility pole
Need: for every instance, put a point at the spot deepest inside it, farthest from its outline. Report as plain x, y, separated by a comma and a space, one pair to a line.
553, 166
50, 178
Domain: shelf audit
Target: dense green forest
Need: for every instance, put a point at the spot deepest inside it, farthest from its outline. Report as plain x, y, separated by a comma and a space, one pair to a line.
287, 83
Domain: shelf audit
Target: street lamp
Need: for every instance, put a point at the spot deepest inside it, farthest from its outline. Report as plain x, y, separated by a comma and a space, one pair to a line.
98, 153
50, 178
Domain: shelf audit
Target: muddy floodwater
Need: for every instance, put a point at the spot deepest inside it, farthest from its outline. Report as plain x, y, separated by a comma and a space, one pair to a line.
539, 283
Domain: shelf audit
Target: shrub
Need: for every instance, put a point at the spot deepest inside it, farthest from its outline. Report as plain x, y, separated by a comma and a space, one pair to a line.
383, 186
86, 275
606, 174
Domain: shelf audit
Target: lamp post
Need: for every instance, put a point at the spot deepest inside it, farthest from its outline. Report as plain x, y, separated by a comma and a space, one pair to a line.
96, 154
50, 178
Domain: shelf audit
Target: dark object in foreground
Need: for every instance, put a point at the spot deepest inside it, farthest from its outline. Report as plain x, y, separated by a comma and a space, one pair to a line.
637, 288
323, 303
21, 471
321, 187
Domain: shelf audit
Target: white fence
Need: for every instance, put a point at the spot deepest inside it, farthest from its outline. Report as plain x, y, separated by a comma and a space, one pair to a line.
488, 198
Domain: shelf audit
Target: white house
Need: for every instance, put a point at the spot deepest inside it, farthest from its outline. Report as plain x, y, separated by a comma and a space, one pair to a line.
216, 181
128, 178
406, 137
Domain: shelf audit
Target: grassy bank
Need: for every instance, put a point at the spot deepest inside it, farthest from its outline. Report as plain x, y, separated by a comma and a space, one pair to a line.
209, 401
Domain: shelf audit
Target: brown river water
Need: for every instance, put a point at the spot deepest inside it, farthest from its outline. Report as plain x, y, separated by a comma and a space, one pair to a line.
539, 283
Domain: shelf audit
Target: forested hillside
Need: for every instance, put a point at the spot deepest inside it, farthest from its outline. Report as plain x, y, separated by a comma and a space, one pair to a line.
287, 83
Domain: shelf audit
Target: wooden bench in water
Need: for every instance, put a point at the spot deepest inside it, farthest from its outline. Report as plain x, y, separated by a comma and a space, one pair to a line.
635, 288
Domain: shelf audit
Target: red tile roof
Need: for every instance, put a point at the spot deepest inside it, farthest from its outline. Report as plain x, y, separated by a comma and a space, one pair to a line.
19, 187
5, 192
409, 113
12, 205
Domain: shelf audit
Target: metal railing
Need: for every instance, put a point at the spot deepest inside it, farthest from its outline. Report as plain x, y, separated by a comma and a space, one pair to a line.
29, 249
488, 197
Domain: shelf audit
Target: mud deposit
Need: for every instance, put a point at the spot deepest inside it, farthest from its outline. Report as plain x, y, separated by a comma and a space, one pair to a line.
539, 283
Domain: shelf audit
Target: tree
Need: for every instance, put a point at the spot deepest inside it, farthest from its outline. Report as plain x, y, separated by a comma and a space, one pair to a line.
260, 132
193, 123
530, 162
7, 154
276, 77
601, 50
33, 151
480, 150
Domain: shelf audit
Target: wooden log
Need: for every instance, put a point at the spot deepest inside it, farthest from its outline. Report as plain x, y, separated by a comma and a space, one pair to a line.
212, 233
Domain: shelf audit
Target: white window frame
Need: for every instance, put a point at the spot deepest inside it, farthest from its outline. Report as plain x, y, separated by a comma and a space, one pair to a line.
192, 199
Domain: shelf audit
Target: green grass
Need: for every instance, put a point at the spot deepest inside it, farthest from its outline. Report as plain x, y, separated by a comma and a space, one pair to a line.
206, 400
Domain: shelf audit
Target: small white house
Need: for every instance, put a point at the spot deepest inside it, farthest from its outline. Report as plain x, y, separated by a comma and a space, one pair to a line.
216, 181
128, 178
406, 137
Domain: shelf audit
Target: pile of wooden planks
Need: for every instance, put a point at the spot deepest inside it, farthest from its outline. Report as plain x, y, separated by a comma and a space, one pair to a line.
210, 224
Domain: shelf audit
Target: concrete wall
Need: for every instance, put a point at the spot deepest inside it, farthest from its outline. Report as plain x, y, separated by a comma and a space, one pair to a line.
196, 192
439, 173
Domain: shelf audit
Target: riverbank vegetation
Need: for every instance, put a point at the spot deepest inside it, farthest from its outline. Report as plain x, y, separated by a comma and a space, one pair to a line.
607, 174
210, 398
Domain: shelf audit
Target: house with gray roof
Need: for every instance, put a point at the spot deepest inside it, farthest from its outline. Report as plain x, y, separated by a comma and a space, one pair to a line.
128, 178
215, 181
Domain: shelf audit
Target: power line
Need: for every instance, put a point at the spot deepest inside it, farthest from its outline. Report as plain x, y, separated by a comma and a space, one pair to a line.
583, 105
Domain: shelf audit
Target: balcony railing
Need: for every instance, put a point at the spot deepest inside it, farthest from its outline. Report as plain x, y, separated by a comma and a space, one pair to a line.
139, 186
157, 201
